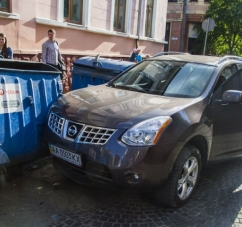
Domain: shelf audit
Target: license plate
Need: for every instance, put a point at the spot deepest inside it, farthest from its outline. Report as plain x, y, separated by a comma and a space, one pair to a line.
65, 155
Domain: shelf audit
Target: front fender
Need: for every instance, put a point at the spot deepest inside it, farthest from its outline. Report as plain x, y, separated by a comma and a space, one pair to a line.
198, 130
194, 131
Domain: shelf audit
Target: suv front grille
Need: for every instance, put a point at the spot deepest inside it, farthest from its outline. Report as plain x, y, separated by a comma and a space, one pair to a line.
72, 130
56, 123
96, 135
78, 132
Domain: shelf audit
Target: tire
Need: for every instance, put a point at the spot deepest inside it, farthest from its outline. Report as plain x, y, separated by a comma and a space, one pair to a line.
174, 194
2, 178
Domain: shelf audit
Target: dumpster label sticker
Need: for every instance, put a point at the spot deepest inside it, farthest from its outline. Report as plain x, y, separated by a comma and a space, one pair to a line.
10, 100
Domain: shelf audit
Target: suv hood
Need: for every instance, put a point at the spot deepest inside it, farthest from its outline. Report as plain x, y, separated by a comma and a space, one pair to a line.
115, 108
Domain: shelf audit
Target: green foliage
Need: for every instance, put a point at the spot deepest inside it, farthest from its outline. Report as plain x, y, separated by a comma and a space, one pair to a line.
226, 38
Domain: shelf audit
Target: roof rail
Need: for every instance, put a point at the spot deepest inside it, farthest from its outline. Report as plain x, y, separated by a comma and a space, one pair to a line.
168, 53
229, 57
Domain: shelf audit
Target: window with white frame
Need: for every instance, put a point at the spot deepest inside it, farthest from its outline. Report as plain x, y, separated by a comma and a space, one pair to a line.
119, 15
73, 11
4, 5
149, 16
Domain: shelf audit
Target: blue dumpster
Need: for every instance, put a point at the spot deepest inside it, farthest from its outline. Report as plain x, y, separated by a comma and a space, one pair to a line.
27, 90
95, 71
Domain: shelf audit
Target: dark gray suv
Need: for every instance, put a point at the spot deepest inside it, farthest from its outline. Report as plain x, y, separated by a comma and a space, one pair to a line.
153, 127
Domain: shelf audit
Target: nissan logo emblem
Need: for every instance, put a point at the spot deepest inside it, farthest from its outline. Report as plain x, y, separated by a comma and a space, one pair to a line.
72, 130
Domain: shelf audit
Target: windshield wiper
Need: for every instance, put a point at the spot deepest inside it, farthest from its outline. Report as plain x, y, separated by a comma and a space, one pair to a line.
129, 88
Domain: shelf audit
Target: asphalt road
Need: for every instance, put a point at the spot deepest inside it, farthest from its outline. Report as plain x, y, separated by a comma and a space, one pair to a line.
43, 197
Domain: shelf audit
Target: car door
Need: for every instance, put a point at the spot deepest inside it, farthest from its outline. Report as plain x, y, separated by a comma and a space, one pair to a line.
227, 120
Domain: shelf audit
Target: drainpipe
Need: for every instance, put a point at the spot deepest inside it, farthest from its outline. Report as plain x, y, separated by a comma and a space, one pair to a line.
139, 23
183, 27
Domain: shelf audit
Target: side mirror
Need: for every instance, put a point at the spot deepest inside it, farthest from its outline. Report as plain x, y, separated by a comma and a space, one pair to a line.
232, 96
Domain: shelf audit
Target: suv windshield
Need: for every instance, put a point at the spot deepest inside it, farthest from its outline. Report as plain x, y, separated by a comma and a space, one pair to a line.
168, 78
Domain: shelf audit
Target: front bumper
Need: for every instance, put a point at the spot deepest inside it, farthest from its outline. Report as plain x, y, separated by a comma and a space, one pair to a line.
115, 163
148, 173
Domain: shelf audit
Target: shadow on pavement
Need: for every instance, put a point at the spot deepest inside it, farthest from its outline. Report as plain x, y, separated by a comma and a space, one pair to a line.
43, 197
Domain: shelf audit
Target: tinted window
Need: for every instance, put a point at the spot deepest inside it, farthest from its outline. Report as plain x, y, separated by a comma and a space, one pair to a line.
239, 66
168, 78
119, 15
233, 83
4, 5
149, 15
73, 11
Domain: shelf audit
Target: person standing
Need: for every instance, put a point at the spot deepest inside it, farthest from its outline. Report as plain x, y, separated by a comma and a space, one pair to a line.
138, 57
133, 55
50, 51
5, 51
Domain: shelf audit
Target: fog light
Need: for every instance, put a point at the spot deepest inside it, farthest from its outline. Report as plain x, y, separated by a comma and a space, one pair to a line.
132, 177
136, 177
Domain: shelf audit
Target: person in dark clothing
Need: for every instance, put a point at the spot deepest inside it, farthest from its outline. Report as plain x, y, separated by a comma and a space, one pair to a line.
5, 51
138, 57
133, 55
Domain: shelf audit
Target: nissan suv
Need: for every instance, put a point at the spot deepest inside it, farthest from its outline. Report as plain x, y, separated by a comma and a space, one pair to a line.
153, 127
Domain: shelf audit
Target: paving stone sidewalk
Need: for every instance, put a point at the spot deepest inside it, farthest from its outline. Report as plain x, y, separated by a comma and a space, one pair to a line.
42, 197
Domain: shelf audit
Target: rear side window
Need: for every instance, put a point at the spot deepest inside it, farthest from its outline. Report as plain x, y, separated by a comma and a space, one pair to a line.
233, 83
239, 66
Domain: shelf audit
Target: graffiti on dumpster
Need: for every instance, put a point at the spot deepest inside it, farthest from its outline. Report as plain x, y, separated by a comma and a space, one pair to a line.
10, 100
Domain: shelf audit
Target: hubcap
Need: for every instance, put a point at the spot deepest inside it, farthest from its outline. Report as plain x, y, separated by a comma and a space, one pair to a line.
188, 178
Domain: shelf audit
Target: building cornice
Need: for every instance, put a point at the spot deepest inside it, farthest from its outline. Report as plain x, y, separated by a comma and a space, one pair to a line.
9, 15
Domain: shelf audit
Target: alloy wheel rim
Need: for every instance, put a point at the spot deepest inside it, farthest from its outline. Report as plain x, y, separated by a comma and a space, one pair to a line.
188, 178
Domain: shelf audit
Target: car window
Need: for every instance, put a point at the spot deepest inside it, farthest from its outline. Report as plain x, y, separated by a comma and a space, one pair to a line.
233, 83
224, 75
228, 71
239, 66
168, 78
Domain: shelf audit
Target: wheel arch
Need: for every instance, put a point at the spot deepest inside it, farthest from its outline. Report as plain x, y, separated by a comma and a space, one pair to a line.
201, 144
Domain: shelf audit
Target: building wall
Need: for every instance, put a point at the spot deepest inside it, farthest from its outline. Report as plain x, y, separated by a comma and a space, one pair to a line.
161, 19
46, 8
175, 36
27, 24
134, 17
194, 14
28, 21
101, 14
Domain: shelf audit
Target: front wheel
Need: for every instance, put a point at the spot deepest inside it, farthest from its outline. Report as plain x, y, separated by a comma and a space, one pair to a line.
2, 177
183, 178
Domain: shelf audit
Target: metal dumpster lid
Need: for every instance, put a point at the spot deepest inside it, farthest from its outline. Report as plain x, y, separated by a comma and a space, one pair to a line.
8, 64
103, 64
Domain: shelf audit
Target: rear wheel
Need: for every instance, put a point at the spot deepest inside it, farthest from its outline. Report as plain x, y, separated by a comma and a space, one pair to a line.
2, 177
183, 179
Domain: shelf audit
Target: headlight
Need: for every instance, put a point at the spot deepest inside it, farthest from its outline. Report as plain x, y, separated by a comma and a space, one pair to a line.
146, 132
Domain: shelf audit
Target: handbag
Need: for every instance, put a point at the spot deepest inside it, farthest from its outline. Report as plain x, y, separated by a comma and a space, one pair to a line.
61, 66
